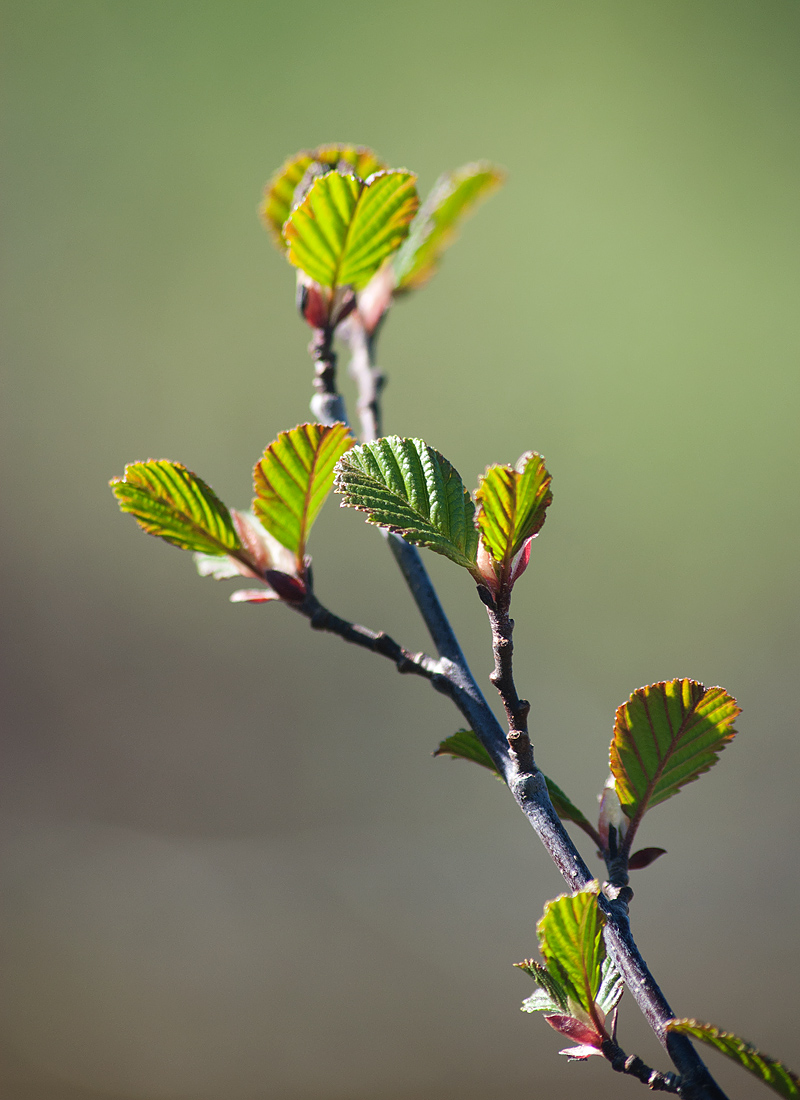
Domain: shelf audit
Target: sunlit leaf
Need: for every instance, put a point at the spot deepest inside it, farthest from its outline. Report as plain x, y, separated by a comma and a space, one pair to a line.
773, 1073
513, 504
170, 501
665, 736
292, 480
345, 227
454, 196
571, 941
295, 176
407, 486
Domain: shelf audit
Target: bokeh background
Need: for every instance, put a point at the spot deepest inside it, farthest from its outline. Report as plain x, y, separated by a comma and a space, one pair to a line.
232, 868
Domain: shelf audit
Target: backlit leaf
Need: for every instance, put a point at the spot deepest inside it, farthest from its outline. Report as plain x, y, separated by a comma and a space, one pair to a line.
773, 1073
454, 196
345, 227
571, 941
299, 171
292, 480
513, 505
666, 735
407, 486
170, 501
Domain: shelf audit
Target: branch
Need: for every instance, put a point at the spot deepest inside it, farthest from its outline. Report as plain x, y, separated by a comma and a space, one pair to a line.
326, 404
635, 1067
516, 764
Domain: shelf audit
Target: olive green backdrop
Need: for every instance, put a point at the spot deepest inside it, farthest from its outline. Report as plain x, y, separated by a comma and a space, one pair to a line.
232, 867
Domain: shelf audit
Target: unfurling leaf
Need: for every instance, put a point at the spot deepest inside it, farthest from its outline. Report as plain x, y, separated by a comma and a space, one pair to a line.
293, 479
345, 227
571, 941
773, 1073
454, 196
579, 985
665, 736
170, 501
513, 505
292, 180
644, 857
407, 486
466, 745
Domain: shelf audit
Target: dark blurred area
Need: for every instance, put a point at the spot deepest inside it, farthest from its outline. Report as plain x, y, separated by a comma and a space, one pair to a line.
232, 868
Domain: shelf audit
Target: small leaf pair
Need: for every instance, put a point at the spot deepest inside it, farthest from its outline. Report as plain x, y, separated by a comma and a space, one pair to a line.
578, 984
344, 217
292, 481
408, 487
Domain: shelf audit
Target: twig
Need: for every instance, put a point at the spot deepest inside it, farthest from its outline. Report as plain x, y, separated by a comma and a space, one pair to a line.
635, 1067
370, 379
525, 781
326, 404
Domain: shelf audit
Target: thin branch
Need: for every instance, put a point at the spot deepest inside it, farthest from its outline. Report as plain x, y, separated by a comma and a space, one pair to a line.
527, 783
635, 1067
370, 379
502, 676
326, 404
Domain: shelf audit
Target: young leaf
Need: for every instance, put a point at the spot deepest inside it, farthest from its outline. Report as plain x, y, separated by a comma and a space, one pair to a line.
345, 227
293, 479
454, 196
281, 193
466, 745
665, 736
170, 501
513, 504
407, 486
571, 941
773, 1073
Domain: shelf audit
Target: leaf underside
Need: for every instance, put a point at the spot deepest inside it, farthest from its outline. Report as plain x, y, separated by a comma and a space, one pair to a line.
466, 745
513, 505
345, 227
407, 486
293, 478
281, 193
171, 502
453, 198
665, 736
773, 1073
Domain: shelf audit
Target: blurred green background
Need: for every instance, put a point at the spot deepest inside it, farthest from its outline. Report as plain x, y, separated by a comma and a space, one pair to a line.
232, 867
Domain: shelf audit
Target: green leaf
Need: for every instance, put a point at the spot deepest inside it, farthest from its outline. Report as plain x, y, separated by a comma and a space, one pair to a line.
292, 480
170, 501
513, 505
773, 1073
551, 996
571, 941
665, 736
466, 745
454, 196
345, 227
407, 486
281, 193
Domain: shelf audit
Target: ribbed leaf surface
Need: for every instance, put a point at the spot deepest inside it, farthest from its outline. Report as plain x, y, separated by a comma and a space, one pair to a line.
345, 227
466, 745
454, 196
294, 477
513, 506
170, 501
773, 1073
571, 941
407, 486
665, 736
281, 191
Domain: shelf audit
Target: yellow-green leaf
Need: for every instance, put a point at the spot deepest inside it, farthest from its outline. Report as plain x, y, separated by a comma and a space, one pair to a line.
571, 941
665, 736
513, 506
773, 1073
281, 193
454, 196
171, 502
345, 227
293, 478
